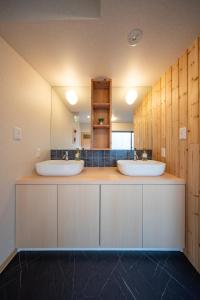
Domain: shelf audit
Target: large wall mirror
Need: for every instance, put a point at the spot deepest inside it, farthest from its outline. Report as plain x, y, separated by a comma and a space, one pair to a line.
71, 123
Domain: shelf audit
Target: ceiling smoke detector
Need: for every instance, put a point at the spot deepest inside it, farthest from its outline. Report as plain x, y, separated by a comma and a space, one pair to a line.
134, 37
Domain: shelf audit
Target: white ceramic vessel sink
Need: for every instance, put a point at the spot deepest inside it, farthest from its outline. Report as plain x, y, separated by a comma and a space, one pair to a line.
59, 167
141, 167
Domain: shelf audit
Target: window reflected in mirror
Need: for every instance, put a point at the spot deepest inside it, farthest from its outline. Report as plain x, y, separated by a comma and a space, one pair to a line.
122, 140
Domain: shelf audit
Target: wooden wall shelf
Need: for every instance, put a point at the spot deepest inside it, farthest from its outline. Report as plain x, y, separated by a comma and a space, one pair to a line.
101, 108
101, 105
101, 126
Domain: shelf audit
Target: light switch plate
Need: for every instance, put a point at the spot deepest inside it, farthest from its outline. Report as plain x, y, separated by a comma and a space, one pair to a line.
182, 133
163, 152
17, 134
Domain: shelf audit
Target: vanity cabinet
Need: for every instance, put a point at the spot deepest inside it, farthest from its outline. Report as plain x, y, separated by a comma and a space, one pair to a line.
100, 216
78, 216
36, 216
164, 216
121, 216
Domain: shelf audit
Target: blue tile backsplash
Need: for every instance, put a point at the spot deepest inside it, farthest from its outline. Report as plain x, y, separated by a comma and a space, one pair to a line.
99, 158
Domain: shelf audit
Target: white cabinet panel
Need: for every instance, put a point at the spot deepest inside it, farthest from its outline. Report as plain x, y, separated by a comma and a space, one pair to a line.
164, 216
78, 216
121, 216
36, 216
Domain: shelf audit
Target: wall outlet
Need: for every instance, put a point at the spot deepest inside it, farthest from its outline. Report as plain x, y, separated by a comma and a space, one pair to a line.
163, 152
17, 134
182, 133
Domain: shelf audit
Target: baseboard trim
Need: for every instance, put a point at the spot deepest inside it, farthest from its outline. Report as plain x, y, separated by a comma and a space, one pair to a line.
7, 260
99, 249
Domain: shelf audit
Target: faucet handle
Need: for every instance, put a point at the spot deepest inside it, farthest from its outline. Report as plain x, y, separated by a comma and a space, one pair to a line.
135, 155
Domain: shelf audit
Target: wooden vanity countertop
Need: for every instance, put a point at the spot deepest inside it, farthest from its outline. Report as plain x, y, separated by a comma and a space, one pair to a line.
107, 175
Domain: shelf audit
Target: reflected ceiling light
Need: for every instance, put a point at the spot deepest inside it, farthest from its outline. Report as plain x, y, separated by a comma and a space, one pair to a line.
131, 97
76, 117
88, 116
71, 97
113, 118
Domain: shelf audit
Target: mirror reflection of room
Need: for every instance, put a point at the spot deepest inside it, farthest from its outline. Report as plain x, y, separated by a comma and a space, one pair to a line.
79, 120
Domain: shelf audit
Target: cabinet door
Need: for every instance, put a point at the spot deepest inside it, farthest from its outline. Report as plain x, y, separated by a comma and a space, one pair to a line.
164, 216
78, 216
121, 216
36, 216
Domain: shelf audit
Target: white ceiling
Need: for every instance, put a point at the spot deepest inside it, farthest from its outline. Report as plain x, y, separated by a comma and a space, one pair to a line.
71, 52
40, 10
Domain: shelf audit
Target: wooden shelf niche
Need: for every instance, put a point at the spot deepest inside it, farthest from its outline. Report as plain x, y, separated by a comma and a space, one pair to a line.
101, 108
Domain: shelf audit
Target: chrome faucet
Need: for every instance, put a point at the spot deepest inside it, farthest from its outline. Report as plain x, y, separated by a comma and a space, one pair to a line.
135, 157
65, 156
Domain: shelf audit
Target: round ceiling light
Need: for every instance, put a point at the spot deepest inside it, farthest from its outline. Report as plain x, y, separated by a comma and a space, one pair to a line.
113, 118
131, 97
134, 37
71, 97
76, 118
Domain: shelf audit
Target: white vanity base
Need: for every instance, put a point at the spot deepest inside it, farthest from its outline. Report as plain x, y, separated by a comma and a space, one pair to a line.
100, 210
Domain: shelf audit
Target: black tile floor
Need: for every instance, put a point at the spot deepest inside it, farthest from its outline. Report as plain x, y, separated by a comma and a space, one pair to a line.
99, 275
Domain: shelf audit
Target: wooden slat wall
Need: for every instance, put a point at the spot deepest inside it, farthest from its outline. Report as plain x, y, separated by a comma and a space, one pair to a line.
199, 179
193, 187
168, 124
183, 113
175, 121
163, 114
149, 120
156, 120
175, 104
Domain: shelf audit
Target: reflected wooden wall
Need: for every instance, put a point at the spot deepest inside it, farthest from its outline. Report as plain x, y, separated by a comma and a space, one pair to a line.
172, 104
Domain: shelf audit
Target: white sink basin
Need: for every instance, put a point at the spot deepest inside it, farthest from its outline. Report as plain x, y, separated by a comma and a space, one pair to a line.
141, 167
59, 167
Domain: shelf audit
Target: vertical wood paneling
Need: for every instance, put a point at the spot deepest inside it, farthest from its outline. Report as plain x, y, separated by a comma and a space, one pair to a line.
143, 112
193, 155
149, 119
158, 118
192, 205
199, 168
175, 122
175, 104
154, 129
193, 95
145, 142
168, 119
140, 128
163, 114
156, 124
183, 113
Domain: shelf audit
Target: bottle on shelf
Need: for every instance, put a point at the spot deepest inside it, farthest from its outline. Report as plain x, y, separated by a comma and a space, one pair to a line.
77, 154
144, 155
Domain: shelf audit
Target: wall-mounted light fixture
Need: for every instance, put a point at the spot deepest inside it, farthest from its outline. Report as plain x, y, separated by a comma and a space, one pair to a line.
131, 96
71, 97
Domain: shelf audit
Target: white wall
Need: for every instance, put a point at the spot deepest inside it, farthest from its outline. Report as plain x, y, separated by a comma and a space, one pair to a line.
62, 125
25, 101
85, 127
